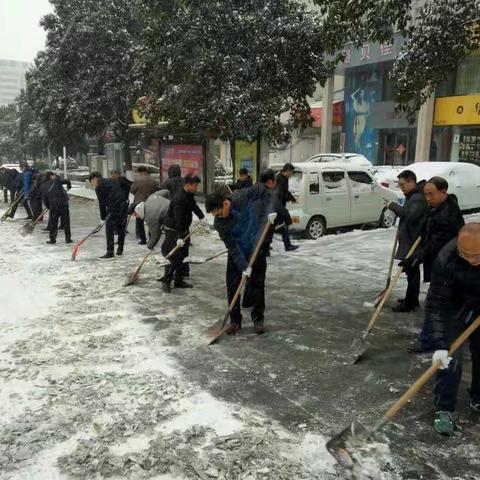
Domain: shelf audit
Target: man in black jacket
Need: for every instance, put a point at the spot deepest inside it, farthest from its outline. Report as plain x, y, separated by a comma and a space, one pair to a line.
113, 204
56, 200
14, 186
285, 196
413, 215
244, 180
239, 220
177, 226
175, 181
36, 193
453, 302
3, 183
444, 221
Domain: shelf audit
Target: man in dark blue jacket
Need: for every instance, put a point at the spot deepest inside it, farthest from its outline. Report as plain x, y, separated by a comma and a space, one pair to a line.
453, 302
239, 220
27, 176
113, 203
56, 200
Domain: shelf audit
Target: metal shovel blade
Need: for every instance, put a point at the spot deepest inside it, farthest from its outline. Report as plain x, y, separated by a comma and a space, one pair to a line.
340, 445
26, 229
132, 278
358, 348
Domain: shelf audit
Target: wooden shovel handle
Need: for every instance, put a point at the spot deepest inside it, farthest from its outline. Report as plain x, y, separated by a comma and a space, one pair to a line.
40, 217
392, 258
379, 308
413, 390
173, 251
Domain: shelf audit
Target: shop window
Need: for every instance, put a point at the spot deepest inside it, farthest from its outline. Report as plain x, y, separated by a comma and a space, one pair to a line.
468, 76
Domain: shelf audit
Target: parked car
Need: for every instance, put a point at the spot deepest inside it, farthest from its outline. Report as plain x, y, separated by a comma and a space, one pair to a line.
11, 166
336, 194
463, 180
349, 158
153, 170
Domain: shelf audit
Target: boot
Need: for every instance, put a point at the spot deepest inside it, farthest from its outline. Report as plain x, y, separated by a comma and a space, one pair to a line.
182, 284
402, 300
233, 329
68, 240
258, 328
403, 308
444, 423
291, 248
119, 252
51, 242
166, 286
108, 255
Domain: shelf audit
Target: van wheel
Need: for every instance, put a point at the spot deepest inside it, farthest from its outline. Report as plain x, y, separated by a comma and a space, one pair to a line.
316, 228
387, 219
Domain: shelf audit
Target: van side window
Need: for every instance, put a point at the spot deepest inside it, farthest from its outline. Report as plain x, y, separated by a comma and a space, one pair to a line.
313, 184
360, 180
334, 180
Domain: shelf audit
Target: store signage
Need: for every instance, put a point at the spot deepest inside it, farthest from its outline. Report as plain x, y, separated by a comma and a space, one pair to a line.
337, 120
459, 110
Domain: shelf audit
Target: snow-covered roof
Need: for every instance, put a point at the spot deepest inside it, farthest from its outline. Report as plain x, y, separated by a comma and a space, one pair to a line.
317, 166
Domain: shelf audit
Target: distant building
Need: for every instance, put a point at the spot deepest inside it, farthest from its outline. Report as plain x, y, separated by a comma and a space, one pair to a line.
12, 79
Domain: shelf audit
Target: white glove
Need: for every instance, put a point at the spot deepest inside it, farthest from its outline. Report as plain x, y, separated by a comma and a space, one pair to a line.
248, 272
272, 217
204, 221
180, 243
442, 355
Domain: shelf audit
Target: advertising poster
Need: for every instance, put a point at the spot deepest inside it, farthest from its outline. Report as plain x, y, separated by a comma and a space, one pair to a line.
246, 157
362, 90
189, 157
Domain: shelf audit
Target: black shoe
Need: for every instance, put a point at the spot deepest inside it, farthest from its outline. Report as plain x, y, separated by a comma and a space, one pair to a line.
233, 329
69, 241
142, 243
420, 347
119, 252
291, 248
166, 287
258, 328
51, 242
402, 300
108, 255
182, 285
403, 308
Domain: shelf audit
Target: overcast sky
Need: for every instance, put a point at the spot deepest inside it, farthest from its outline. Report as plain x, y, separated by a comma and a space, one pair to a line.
20, 35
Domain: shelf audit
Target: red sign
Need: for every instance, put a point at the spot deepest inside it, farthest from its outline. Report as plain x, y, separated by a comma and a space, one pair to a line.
337, 115
189, 157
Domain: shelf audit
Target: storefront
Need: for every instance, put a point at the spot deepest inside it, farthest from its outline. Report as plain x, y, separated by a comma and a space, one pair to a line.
456, 132
371, 125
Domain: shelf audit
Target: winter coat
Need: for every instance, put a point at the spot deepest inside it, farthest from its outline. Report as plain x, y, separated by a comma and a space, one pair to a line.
156, 208
143, 187
3, 178
413, 215
248, 213
175, 180
453, 298
37, 189
241, 184
284, 196
180, 212
17, 181
27, 176
56, 197
442, 225
112, 198
125, 185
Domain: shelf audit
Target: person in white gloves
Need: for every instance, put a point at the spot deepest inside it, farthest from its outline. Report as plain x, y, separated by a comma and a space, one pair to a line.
177, 225
239, 220
453, 302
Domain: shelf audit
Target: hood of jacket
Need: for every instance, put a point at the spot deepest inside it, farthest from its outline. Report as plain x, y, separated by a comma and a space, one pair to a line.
174, 171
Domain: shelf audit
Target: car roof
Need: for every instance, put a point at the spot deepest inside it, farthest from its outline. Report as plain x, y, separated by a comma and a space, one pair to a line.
339, 155
316, 166
430, 169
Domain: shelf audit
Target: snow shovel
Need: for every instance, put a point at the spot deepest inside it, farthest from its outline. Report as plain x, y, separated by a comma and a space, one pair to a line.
11, 207
28, 228
133, 277
355, 435
219, 328
360, 345
77, 246
390, 269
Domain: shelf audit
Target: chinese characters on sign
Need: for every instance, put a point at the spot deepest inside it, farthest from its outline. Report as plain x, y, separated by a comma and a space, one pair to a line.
348, 56
365, 55
369, 52
386, 49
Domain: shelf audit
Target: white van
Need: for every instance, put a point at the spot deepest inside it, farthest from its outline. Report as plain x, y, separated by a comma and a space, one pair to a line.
331, 195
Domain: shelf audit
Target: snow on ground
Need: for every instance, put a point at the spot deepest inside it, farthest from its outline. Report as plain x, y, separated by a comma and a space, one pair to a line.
91, 382
88, 391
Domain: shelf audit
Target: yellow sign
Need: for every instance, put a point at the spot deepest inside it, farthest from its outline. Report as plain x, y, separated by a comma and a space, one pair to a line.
461, 110
138, 117
246, 157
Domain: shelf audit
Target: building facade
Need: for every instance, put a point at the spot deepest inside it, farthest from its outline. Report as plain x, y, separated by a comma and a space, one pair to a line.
12, 80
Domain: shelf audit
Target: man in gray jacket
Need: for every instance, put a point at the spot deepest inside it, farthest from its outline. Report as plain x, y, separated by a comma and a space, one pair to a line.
153, 211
